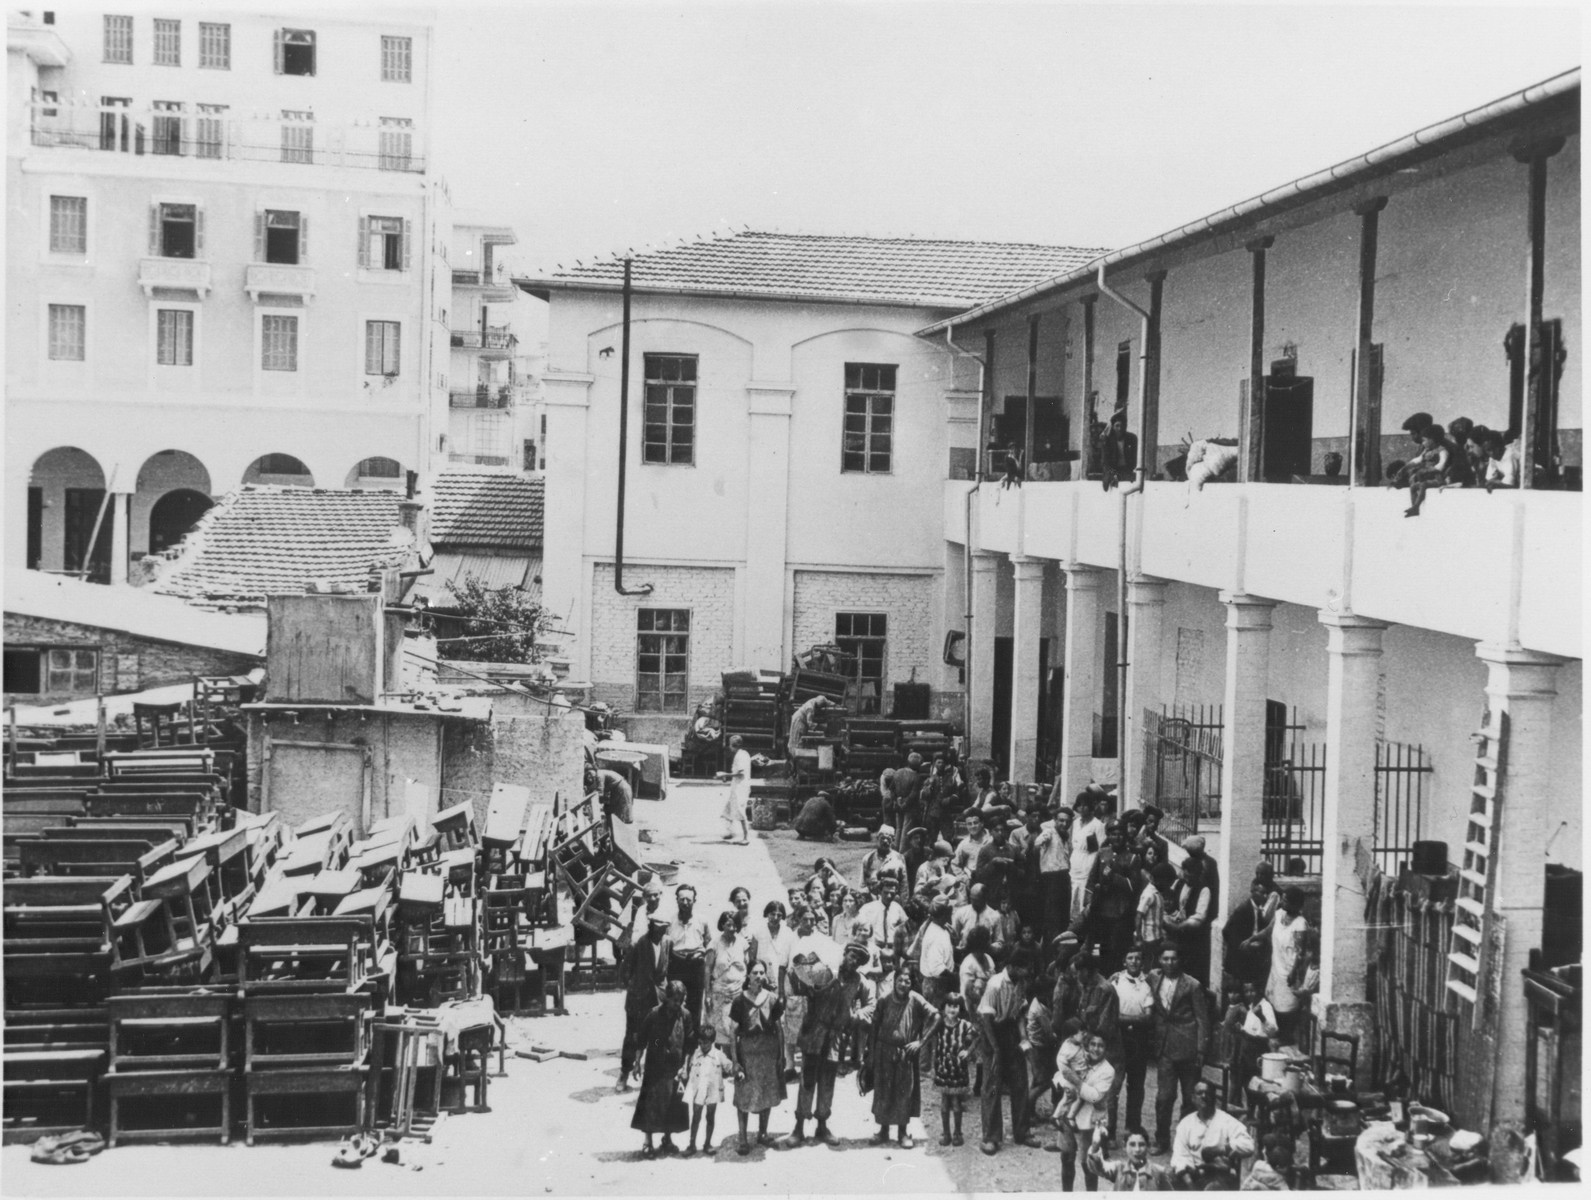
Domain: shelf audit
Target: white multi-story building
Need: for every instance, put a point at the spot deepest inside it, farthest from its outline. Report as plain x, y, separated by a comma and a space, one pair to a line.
228, 261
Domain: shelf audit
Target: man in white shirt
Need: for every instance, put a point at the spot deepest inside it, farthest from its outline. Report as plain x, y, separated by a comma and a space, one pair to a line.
966, 856
1207, 1144
1054, 842
771, 941
1088, 838
887, 919
885, 860
976, 912
1135, 1001
688, 962
936, 954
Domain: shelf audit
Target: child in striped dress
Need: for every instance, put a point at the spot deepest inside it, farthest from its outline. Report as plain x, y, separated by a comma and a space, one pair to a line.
952, 1050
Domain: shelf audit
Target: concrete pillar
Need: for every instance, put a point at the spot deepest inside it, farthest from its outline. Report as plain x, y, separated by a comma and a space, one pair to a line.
1248, 642
985, 611
1027, 629
767, 523
120, 517
1146, 608
565, 572
1084, 638
1523, 684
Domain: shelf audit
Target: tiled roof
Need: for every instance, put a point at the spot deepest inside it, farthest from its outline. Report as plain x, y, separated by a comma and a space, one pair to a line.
132, 610
916, 271
494, 571
486, 508
270, 541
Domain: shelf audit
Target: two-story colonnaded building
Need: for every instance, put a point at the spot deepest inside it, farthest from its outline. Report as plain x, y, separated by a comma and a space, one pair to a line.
787, 442
1308, 672
227, 262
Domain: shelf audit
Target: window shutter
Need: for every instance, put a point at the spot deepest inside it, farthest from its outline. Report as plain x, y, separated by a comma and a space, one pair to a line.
154, 230
303, 238
408, 229
364, 241
279, 56
198, 232
259, 237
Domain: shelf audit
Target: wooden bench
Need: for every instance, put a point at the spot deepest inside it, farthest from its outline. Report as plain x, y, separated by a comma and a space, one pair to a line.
166, 1047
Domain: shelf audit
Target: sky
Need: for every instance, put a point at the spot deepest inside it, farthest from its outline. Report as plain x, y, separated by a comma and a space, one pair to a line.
599, 126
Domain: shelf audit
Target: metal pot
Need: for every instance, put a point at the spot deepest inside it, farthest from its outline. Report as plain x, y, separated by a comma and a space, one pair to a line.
1296, 1074
1273, 1067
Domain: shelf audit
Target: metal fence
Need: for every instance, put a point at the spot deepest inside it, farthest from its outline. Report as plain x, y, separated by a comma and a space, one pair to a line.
1294, 806
1182, 766
1401, 774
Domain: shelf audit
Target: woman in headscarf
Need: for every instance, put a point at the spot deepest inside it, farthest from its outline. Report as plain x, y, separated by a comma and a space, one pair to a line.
661, 1107
758, 1051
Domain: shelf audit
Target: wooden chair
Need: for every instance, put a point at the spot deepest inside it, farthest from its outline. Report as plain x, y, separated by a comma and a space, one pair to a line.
1333, 1060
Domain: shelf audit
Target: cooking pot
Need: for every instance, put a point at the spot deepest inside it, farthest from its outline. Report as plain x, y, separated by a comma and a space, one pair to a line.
1273, 1067
1297, 1072
1426, 1121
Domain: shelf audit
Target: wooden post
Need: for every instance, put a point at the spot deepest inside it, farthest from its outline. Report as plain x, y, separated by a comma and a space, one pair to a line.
1251, 422
986, 416
1149, 435
11, 735
99, 727
1086, 440
1033, 391
1535, 156
1364, 442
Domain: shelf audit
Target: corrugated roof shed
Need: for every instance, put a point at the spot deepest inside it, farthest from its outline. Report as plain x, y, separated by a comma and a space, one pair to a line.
916, 271
487, 508
270, 541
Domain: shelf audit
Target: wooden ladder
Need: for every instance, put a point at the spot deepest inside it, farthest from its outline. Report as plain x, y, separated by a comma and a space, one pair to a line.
1472, 918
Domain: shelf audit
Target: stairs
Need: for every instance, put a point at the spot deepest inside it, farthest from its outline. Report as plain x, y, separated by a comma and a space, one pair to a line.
1472, 920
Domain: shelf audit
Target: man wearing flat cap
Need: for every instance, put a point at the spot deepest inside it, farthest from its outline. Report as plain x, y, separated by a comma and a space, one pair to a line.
645, 972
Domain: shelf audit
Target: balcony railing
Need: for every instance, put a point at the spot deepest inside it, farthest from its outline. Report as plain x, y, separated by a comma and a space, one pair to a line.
191, 274
138, 131
279, 279
497, 337
500, 396
496, 277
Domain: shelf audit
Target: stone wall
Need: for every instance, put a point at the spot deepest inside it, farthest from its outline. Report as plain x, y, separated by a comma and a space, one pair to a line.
545, 753
126, 663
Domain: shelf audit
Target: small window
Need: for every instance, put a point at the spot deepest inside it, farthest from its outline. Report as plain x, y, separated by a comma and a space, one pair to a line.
168, 43
280, 464
68, 326
215, 46
283, 243
49, 98
176, 233
384, 244
396, 144
869, 432
298, 136
397, 59
68, 225
381, 347
379, 468
864, 636
174, 337
279, 343
209, 130
71, 670
1123, 373
295, 52
529, 459
22, 672
662, 671
118, 39
167, 127
669, 431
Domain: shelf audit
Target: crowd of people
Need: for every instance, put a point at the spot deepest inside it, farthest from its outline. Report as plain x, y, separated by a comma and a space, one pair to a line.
1462, 455
1042, 962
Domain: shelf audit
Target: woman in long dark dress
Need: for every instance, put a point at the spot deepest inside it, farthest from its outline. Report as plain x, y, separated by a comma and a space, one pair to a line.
902, 1022
759, 1083
660, 1108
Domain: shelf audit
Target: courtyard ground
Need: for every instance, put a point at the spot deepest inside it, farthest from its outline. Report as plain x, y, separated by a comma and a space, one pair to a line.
559, 1127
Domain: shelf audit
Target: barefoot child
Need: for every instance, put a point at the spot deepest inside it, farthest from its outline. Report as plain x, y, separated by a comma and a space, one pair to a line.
952, 1050
703, 1078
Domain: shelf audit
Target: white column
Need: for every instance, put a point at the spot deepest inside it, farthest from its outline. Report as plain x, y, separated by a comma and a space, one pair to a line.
767, 523
571, 462
120, 517
1084, 639
1146, 609
1248, 641
1353, 668
985, 609
1027, 629
1523, 684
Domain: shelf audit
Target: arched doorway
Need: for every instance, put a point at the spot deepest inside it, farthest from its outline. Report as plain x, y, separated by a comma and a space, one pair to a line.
380, 473
165, 474
279, 470
66, 499
173, 515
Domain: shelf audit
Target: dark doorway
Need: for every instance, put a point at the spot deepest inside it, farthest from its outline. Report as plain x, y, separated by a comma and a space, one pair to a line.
1000, 724
1045, 751
35, 527
1109, 693
1289, 423
173, 515
82, 510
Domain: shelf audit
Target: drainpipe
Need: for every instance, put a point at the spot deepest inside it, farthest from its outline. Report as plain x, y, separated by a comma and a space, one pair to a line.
644, 589
966, 545
1123, 492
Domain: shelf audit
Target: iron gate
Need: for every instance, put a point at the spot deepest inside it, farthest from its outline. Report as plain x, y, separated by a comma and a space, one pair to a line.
1182, 766
1294, 805
1401, 772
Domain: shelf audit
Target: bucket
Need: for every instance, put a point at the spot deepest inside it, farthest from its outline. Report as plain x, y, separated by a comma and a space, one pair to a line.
1273, 1067
1294, 1079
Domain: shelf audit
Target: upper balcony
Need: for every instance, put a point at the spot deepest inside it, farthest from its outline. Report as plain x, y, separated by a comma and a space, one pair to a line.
187, 274
492, 285
484, 396
1500, 567
216, 133
496, 343
278, 279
